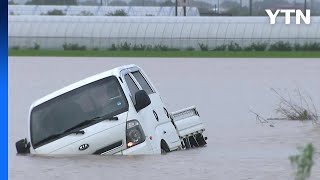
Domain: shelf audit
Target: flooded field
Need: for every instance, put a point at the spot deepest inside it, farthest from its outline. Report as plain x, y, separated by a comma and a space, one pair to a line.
223, 90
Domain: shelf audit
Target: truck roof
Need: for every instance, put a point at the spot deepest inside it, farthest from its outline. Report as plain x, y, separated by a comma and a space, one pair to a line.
111, 72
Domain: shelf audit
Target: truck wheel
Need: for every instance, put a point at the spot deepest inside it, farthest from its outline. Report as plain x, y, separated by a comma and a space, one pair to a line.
164, 147
200, 139
187, 143
23, 146
193, 141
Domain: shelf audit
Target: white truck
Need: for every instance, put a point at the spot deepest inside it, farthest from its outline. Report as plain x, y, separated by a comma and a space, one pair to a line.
115, 112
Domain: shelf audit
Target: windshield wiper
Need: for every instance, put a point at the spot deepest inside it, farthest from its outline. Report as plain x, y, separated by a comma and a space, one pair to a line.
53, 136
106, 117
73, 131
89, 121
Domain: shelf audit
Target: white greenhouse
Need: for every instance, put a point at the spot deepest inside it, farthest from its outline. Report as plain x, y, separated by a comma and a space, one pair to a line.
100, 10
51, 32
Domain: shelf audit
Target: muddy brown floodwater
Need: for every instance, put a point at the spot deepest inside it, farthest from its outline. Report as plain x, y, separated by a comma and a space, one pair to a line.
224, 90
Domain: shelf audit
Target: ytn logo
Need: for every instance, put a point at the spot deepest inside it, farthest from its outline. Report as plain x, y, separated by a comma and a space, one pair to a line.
299, 15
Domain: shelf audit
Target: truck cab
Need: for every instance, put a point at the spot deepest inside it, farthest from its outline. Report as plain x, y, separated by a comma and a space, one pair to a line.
115, 112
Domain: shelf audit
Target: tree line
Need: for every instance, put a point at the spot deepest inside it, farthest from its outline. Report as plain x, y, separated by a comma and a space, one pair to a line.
227, 7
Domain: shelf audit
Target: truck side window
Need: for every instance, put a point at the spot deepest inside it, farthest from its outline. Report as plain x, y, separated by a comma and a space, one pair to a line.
133, 88
143, 82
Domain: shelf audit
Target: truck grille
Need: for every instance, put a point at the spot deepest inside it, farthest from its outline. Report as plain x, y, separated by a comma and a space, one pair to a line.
109, 148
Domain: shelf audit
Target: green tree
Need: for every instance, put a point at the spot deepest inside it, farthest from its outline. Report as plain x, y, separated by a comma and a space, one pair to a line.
119, 12
52, 2
85, 13
55, 12
89, 3
315, 10
259, 7
143, 3
167, 3
303, 162
200, 4
11, 2
234, 8
117, 3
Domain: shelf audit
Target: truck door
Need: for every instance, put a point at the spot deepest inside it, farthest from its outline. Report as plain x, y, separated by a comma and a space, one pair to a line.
164, 125
148, 118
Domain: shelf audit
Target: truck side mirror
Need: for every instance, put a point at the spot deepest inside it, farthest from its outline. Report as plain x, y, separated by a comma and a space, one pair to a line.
23, 146
142, 100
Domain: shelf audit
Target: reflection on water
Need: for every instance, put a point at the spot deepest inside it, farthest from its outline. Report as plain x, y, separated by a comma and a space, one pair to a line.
222, 89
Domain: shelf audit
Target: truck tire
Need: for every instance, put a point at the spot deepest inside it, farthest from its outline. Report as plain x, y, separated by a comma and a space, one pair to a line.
164, 147
193, 142
186, 142
200, 139
23, 147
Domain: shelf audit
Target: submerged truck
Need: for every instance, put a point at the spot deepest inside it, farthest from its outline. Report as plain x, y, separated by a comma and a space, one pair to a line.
115, 112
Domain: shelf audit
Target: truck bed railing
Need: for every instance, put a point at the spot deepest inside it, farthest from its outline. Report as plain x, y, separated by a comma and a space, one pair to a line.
189, 127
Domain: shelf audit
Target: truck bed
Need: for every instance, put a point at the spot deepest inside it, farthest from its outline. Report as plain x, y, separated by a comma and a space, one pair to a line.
187, 122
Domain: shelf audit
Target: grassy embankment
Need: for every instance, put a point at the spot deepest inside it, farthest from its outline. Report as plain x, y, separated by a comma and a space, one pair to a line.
100, 53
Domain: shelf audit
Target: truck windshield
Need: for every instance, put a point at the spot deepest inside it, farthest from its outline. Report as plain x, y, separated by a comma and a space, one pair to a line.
100, 98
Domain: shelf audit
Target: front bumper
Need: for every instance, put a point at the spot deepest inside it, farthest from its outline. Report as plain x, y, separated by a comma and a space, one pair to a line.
143, 148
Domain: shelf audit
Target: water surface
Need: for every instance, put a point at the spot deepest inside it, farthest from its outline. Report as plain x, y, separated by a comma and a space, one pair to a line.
223, 90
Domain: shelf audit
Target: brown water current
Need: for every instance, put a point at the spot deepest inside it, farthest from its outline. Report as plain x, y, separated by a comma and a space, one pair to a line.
223, 90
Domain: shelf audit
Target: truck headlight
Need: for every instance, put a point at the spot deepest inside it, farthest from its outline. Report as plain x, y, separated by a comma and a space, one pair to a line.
135, 134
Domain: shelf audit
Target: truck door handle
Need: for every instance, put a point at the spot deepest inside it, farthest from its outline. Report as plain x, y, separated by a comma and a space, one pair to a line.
164, 132
155, 115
